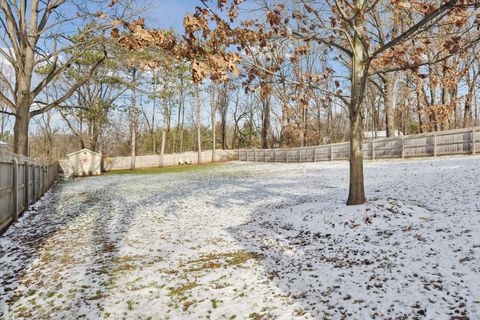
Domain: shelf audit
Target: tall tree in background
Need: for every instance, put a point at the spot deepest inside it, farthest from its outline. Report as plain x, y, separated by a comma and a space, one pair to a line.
133, 116
36, 36
87, 111
214, 102
198, 122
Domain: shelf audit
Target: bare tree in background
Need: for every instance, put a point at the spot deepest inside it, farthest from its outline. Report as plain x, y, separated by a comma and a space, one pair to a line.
214, 100
35, 36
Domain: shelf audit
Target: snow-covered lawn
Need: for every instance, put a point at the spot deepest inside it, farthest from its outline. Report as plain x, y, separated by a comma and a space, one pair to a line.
244, 241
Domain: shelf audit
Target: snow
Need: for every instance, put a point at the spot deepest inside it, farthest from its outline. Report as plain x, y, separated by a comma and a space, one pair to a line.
246, 241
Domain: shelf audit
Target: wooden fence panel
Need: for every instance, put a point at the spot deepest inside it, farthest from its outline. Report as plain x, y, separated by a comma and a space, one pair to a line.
454, 143
5, 193
451, 142
384, 148
31, 183
476, 140
269, 156
419, 145
22, 182
322, 153
37, 183
341, 151
21, 187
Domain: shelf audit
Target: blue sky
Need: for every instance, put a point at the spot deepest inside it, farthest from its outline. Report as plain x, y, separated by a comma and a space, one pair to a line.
168, 13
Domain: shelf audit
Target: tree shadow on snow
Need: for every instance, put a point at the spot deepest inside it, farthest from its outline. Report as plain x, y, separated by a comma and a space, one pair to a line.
334, 268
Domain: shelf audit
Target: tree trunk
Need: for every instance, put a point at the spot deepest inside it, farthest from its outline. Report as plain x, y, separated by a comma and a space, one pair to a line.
133, 120
331, 137
20, 130
164, 136
3, 124
265, 121
22, 114
169, 124
213, 135
152, 129
198, 123
224, 102
223, 126
356, 194
236, 119
389, 110
182, 106
284, 124
215, 104
305, 126
467, 116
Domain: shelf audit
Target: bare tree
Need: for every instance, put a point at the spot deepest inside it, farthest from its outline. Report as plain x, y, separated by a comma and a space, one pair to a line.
198, 122
35, 37
214, 100
133, 118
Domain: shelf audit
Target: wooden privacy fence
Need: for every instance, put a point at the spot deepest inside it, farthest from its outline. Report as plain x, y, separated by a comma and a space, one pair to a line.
22, 182
154, 161
451, 142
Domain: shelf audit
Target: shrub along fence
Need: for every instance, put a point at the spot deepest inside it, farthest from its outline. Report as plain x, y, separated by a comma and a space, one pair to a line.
22, 182
451, 142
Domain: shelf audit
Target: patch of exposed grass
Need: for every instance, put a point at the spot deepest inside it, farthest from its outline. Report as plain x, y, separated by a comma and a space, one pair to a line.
217, 260
239, 257
215, 303
171, 169
180, 290
188, 304
130, 304
98, 295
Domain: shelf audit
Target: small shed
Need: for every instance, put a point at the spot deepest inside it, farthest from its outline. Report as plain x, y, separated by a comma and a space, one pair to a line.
380, 134
84, 163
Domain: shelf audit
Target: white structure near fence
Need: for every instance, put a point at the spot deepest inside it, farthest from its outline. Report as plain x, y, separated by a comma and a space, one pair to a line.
380, 134
22, 182
82, 163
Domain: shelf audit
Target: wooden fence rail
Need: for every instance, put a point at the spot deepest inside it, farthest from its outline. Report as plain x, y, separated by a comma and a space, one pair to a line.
22, 182
451, 142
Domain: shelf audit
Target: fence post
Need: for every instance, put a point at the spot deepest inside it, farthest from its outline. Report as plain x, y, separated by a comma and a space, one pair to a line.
15, 189
264, 155
26, 182
45, 179
42, 181
373, 149
47, 185
254, 155
34, 187
274, 155
300, 155
435, 144
403, 147
331, 152
246, 156
286, 155
315, 154
473, 140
